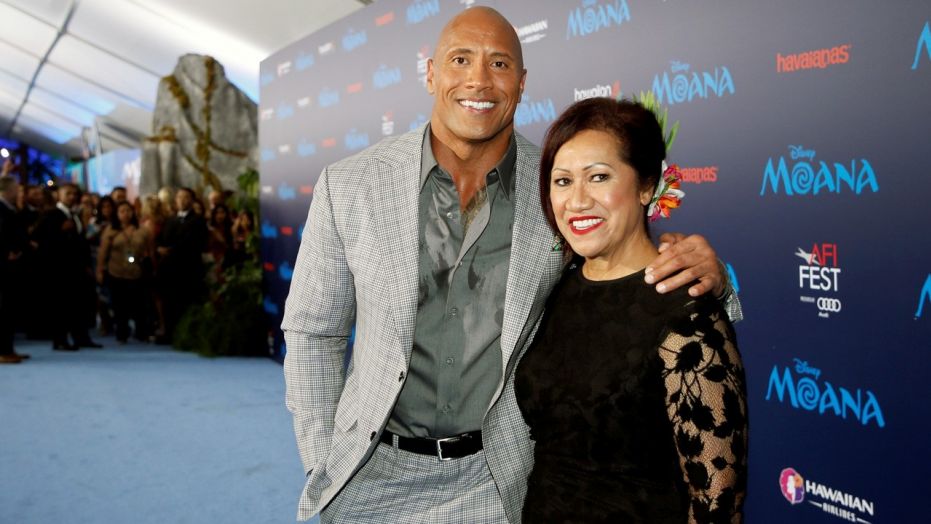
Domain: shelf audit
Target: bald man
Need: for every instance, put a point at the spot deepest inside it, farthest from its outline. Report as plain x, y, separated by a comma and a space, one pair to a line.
434, 244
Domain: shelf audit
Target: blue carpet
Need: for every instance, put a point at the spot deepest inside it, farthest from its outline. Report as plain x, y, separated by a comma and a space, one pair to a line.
143, 434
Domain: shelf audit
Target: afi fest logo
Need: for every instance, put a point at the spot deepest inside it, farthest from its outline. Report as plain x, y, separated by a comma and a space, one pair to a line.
924, 44
924, 297
682, 84
809, 177
820, 273
593, 16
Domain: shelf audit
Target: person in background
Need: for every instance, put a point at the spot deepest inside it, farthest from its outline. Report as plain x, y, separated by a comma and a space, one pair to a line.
104, 216
243, 228
167, 196
636, 401
221, 234
64, 257
180, 274
118, 194
13, 241
124, 248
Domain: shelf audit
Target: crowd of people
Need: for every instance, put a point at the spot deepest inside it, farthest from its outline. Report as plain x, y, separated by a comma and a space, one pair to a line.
72, 261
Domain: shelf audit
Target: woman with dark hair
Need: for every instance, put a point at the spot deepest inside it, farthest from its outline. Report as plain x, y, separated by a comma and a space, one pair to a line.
636, 400
123, 248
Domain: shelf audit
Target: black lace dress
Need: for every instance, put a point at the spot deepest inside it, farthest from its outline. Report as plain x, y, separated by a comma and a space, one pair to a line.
637, 404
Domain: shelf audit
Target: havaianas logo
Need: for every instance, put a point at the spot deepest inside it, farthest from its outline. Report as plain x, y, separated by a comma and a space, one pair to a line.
593, 16
805, 393
679, 84
924, 44
809, 177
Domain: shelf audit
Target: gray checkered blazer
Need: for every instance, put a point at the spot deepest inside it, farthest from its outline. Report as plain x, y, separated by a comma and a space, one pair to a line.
358, 263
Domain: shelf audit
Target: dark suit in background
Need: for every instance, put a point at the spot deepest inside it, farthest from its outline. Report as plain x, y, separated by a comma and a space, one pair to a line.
180, 276
12, 242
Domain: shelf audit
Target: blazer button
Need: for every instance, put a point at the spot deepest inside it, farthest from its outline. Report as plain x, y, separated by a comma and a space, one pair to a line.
372, 436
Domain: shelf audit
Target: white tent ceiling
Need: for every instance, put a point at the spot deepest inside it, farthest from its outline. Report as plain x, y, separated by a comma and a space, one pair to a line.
68, 65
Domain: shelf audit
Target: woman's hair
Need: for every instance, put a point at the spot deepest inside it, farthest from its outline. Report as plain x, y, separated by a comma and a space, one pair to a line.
639, 138
116, 224
153, 208
104, 200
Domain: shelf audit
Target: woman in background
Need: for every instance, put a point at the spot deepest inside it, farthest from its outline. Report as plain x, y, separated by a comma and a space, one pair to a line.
636, 400
124, 247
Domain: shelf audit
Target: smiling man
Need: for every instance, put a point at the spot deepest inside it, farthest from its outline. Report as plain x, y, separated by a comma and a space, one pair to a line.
434, 244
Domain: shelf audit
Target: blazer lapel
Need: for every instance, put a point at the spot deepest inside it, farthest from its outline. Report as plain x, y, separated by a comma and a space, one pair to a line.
395, 190
534, 266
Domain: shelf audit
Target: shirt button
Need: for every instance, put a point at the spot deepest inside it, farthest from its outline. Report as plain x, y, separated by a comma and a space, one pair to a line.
454, 312
450, 360
447, 408
450, 215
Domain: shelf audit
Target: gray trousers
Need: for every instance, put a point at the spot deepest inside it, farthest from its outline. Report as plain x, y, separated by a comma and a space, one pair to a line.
400, 487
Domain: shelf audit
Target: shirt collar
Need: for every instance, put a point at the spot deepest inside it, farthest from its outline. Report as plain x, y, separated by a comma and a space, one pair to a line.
64, 208
505, 167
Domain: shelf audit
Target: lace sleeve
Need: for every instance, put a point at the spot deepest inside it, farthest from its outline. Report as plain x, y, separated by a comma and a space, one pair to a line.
706, 403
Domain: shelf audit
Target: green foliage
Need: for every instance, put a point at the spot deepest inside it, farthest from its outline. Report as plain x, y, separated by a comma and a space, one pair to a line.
231, 321
648, 100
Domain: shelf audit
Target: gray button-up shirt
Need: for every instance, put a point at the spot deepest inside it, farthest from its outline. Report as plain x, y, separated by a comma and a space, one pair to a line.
456, 359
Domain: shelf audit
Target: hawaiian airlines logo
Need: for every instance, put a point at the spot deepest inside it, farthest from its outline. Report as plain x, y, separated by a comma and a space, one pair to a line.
924, 44
328, 98
806, 176
699, 175
802, 391
681, 84
820, 274
924, 297
829, 500
385, 76
600, 90
284, 149
534, 112
593, 16
387, 123
423, 57
532, 32
304, 102
303, 62
419, 11
792, 485
816, 59
356, 140
354, 39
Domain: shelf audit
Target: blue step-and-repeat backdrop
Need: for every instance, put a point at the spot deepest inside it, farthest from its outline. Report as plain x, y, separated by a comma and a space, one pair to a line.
805, 142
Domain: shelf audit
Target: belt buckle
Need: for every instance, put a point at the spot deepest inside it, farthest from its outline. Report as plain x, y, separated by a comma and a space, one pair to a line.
439, 448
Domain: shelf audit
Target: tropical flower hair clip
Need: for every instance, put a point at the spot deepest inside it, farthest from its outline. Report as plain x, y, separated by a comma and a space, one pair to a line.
668, 194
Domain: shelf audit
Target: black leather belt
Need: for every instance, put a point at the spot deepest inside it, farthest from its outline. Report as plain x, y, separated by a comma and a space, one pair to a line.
442, 448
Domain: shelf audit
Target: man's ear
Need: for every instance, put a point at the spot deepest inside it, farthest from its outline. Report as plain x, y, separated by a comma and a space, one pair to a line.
430, 73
